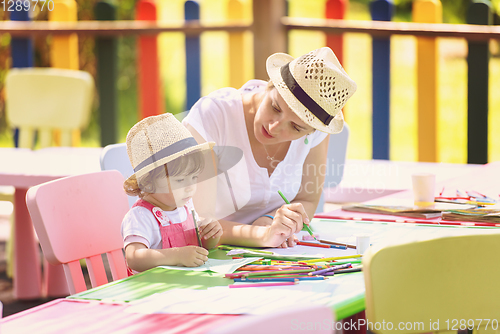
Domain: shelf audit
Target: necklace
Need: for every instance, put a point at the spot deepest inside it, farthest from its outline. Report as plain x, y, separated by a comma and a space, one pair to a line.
268, 156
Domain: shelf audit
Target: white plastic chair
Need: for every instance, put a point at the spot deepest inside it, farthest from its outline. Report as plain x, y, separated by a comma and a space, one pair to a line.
114, 157
337, 151
79, 217
46, 99
292, 319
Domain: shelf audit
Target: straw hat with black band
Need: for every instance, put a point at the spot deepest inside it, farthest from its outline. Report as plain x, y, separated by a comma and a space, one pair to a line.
315, 87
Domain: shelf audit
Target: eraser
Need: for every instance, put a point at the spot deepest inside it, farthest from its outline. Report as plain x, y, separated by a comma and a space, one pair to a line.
308, 237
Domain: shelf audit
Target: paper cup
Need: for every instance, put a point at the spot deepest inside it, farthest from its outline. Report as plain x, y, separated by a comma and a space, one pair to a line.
362, 243
423, 189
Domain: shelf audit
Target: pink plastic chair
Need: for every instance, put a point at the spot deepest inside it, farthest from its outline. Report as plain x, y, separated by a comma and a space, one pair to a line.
79, 217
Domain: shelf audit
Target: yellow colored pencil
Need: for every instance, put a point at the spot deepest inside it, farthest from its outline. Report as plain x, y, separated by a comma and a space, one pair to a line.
333, 258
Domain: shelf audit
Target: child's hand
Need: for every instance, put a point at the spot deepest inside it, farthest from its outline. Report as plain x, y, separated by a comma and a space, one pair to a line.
192, 256
210, 228
289, 219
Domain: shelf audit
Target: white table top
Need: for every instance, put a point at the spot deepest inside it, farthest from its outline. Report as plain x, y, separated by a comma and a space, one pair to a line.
364, 180
24, 168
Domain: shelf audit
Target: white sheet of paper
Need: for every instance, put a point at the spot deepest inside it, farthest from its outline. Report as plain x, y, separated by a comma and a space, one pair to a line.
259, 300
219, 266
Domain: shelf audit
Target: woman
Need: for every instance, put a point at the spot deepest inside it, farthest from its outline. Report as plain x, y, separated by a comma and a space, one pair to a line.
275, 125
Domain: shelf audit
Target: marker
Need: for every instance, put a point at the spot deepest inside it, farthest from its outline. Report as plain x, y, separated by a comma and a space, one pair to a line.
260, 284
308, 229
196, 228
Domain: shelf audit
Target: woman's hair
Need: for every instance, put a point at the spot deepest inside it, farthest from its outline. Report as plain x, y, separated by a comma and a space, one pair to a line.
270, 85
187, 164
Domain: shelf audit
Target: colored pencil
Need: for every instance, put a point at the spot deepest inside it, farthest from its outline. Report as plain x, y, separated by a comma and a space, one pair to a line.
267, 279
333, 258
312, 244
255, 273
336, 243
226, 247
324, 271
308, 229
196, 228
261, 284
280, 279
343, 271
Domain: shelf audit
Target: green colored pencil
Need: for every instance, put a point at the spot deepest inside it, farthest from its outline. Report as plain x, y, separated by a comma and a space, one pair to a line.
307, 228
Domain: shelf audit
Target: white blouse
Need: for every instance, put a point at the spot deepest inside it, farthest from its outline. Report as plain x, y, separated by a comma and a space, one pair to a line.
251, 191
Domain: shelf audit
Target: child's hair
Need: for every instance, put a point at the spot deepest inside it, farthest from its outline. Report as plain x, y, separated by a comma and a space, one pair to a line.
184, 165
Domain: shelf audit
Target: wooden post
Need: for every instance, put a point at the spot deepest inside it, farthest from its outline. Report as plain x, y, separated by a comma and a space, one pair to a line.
268, 33
336, 9
150, 97
107, 71
427, 11
64, 53
479, 12
21, 50
193, 57
236, 46
381, 10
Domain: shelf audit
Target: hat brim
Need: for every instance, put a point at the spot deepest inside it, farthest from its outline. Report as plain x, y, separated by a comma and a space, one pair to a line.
273, 66
217, 160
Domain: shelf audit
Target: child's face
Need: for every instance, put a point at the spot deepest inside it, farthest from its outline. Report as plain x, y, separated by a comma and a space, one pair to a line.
175, 191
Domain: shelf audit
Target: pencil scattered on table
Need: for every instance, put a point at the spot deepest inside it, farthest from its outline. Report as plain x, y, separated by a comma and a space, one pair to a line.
267, 271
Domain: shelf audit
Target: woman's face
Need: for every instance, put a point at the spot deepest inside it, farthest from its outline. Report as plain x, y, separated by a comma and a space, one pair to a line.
275, 122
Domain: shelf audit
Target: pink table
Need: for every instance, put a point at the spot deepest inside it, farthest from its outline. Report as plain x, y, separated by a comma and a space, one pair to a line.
79, 316
22, 169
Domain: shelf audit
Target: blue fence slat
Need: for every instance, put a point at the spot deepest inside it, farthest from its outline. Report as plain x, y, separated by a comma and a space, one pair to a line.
193, 60
381, 10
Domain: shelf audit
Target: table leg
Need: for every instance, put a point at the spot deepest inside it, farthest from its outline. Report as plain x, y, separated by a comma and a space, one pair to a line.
27, 270
355, 324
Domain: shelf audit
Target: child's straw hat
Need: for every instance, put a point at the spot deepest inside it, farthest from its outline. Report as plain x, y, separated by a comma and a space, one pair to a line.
315, 87
156, 140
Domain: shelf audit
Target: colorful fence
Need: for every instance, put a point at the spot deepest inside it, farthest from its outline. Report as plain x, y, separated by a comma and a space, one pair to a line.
270, 30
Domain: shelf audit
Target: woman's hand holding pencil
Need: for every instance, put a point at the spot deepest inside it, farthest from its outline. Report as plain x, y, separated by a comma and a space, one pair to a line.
288, 220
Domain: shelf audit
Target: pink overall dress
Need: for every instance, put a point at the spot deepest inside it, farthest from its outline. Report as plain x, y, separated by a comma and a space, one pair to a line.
172, 235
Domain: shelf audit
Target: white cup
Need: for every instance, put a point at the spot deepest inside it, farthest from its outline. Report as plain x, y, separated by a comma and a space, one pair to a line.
423, 189
362, 243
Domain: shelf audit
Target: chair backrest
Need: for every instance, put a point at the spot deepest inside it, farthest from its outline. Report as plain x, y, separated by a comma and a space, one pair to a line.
423, 286
114, 157
45, 99
79, 217
291, 319
335, 162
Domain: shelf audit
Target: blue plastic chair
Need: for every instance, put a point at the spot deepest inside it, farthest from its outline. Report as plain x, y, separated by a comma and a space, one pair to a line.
337, 151
115, 156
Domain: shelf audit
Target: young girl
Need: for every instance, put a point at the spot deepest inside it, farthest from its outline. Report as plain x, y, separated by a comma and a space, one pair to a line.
160, 227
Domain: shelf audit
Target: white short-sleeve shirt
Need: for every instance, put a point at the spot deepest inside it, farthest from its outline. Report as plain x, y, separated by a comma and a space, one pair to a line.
246, 191
140, 225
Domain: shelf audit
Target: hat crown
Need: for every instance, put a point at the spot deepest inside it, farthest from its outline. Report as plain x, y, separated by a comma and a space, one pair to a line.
322, 77
153, 134
315, 87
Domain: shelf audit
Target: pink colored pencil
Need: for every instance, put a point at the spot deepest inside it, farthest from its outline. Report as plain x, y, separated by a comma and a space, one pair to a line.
260, 284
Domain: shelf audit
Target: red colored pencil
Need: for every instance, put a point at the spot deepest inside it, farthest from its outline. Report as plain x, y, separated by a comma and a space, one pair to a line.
312, 244
260, 284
